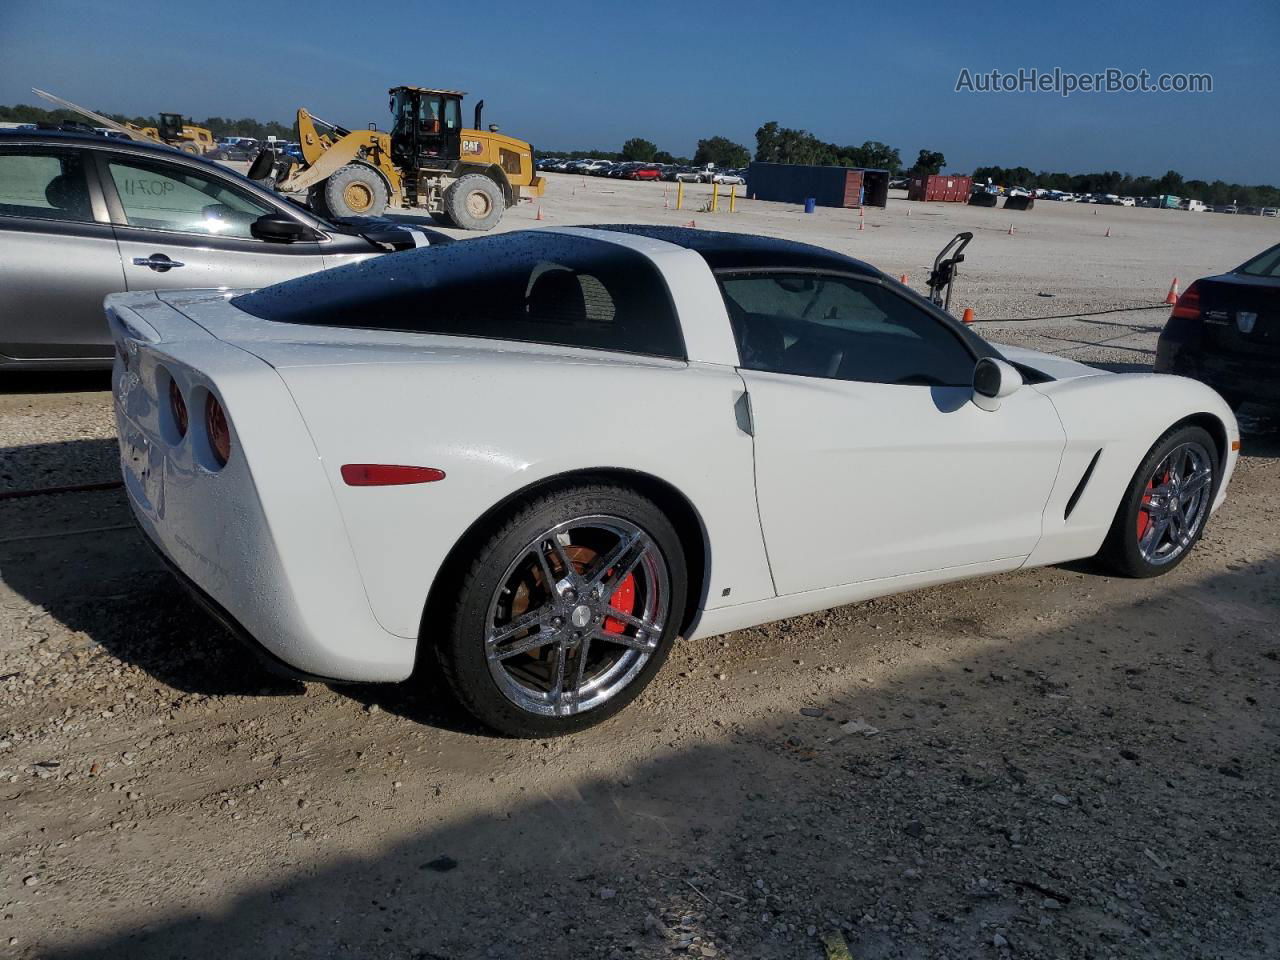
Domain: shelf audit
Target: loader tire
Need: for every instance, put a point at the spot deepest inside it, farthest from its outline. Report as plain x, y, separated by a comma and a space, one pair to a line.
355, 191
474, 202
443, 219
315, 201
190, 148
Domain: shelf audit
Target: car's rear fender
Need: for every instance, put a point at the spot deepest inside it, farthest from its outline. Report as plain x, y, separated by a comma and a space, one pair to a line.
500, 422
1118, 418
262, 535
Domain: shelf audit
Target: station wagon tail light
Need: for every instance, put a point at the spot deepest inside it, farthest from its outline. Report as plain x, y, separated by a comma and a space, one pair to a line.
178, 407
1188, 305
387, 474
215, 423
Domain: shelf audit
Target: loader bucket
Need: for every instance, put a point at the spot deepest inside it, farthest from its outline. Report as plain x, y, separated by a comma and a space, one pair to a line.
1019, 203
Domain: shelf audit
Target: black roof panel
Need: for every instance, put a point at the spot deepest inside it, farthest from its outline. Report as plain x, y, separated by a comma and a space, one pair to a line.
736, 251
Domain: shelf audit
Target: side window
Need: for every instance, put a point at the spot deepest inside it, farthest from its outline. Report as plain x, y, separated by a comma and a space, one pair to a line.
45, 184
842, 329
160, 196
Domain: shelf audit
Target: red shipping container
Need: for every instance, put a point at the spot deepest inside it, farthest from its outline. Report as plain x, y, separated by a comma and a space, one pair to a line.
940, 187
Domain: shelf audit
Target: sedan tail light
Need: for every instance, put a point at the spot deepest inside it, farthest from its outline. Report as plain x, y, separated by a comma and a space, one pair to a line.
178, 406
215, 422
1188, 305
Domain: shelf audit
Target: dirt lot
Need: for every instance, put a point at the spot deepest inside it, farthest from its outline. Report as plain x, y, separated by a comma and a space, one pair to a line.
1052, 763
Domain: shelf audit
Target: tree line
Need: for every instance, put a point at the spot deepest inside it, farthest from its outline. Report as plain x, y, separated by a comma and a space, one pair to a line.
218, 126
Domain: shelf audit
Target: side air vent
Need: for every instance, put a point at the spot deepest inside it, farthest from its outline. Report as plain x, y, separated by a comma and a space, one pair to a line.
1084, 481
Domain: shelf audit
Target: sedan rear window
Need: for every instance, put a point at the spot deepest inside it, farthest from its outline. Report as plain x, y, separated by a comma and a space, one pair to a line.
529, 286
1265, 264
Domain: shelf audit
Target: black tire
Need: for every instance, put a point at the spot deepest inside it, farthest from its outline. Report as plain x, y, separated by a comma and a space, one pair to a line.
355, 190
189, 147
474, 202
443, 219
1120, 552
477, 586
315, 201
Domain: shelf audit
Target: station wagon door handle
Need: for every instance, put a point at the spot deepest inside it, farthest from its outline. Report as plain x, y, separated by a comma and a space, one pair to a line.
157, 262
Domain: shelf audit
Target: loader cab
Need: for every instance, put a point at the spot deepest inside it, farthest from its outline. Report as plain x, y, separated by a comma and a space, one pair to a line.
170, 127
426, 129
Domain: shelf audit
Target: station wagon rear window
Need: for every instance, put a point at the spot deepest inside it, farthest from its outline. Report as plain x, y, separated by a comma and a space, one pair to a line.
532, 287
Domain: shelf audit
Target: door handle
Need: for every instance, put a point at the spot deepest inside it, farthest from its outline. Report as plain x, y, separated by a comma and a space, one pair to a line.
157, 262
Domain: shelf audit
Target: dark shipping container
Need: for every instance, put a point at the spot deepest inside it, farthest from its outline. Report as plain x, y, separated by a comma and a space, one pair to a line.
829, 186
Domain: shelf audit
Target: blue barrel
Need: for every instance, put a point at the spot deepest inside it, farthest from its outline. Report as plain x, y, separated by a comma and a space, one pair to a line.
810, 204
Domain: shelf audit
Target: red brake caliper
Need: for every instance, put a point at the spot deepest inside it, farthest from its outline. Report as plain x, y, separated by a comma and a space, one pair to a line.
1144, 518
624, 599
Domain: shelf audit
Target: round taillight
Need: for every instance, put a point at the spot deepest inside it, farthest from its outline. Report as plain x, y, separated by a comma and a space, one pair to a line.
215, 422
178, 407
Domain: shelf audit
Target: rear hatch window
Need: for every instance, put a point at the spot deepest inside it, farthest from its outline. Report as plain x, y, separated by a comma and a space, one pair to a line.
528, 286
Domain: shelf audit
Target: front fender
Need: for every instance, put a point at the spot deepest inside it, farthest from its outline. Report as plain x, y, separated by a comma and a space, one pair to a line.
1119, 417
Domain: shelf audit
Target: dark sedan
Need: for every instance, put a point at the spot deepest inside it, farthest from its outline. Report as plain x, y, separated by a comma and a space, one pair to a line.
82, 216
1225, 331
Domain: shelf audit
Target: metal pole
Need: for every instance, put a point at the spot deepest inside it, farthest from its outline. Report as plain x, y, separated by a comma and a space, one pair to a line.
679, 194
733, 198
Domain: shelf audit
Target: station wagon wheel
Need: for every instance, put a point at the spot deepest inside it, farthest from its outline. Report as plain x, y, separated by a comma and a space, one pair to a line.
1166, 506
566, 613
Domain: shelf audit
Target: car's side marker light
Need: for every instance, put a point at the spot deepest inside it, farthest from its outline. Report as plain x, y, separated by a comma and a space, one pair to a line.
387, 475
1235, 444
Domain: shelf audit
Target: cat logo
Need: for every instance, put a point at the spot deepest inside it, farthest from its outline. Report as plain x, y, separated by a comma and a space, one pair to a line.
472, 146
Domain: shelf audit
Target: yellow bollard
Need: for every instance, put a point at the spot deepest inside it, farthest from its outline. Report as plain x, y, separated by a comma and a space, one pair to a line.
715, 197
679, 194
733, 197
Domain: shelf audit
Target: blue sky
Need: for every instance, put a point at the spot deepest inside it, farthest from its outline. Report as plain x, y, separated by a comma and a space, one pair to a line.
593, 74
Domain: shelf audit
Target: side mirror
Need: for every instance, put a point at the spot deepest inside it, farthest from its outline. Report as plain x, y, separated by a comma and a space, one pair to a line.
277, 228
993, 380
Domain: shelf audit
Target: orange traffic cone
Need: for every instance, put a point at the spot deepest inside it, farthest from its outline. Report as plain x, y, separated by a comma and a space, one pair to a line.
903, 280
539, 216
968, 315
1172, 296
692, 223
861, 225
1108, 233
1011, 229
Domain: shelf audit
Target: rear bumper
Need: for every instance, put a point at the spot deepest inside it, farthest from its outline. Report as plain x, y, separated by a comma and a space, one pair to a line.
1236, 378
261, 538
233, 626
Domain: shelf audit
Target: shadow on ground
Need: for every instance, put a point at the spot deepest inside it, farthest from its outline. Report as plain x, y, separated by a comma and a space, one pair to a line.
1114, 802
45, 381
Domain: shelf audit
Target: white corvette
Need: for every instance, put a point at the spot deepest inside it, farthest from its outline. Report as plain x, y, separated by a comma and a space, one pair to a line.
538, 458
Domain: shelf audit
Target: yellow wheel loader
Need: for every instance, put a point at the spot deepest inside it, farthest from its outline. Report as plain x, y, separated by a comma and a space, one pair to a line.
428, 162
172, 130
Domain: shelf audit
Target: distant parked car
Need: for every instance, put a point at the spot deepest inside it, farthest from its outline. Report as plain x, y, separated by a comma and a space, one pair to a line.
82, 216
729, 177
1128, 202
1225, 331
689, 175
645, 171
1230, 208
1270, 212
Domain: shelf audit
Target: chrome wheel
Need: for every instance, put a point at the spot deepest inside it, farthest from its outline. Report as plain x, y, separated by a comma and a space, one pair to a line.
577, 615
1175, 503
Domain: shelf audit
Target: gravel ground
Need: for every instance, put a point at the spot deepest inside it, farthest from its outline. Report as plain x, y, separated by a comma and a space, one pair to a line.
1052, 763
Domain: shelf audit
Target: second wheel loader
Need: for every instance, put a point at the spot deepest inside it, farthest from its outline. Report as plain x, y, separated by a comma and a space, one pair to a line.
428, 162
